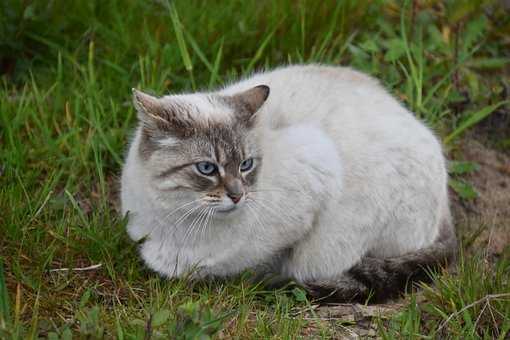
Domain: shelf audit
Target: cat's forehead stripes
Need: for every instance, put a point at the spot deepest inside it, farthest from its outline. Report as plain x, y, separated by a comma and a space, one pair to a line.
200, 109
219, 154
227, 142
216, 140
169, 141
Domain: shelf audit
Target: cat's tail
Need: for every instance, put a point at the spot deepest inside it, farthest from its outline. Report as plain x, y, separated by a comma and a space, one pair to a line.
378, 279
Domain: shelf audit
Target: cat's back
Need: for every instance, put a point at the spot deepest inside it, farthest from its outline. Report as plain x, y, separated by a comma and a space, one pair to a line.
352, 107
317, 93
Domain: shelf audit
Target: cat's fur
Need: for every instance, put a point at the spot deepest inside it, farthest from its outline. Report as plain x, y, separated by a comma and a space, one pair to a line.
348, 195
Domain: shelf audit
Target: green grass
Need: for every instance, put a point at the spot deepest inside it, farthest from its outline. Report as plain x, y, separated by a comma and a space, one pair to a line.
65, 118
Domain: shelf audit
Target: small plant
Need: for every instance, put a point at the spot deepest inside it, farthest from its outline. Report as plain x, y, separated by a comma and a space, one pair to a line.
90, 323
457, 169
5, 317
197, 321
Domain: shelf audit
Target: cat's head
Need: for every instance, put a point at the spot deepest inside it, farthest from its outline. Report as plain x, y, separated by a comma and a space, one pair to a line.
202, 146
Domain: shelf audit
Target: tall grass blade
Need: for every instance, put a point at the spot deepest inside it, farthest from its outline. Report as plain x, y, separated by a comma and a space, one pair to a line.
5, 316
260, 51
215, 77
198, 51
179, 35
473, 119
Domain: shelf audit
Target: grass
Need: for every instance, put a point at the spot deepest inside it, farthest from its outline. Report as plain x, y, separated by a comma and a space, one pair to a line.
65, 117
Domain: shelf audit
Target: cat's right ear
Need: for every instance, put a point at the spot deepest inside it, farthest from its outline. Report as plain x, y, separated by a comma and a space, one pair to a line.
157, 115
149, 109
161, 116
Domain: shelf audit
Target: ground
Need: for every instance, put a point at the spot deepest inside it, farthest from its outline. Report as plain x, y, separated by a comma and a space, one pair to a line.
68, 269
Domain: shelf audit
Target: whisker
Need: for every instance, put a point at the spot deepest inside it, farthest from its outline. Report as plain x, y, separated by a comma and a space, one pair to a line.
179, 208
200, 221
209, 219
164, 229
192, 226
183, 218
280, 191
189, 231
253, 211
275, 209
160, 223
185, 215
174, 228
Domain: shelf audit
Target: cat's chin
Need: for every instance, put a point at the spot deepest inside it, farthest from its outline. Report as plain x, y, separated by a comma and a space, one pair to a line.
227, 210
230, 210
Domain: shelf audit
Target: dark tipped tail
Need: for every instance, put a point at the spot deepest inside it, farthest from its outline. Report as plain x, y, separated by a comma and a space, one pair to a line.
379, 279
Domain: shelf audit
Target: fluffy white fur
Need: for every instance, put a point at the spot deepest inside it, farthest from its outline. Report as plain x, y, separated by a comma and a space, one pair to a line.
347, 171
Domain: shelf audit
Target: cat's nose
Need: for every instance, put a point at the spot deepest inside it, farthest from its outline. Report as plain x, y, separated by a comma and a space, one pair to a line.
233, 188
235, 197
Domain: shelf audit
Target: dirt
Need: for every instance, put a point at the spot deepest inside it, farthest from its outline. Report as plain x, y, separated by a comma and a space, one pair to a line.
354, 321
484, 223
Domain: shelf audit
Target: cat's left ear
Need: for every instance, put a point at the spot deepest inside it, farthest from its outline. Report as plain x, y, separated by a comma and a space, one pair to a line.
247, 103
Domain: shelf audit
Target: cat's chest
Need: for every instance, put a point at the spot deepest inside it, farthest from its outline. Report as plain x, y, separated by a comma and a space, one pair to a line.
225, 248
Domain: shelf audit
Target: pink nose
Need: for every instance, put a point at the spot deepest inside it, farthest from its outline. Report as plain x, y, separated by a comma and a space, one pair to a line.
235, 197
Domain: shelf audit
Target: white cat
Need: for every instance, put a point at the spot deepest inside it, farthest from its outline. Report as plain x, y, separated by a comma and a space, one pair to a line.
312, 172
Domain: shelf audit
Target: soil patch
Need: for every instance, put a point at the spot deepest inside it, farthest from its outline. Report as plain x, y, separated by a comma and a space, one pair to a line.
484, 223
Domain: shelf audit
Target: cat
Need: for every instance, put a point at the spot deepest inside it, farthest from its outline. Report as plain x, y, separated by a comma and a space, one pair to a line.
313, 173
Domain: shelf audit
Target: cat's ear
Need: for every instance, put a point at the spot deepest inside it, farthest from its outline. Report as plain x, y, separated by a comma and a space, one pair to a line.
159, 116
148, 108
247, 103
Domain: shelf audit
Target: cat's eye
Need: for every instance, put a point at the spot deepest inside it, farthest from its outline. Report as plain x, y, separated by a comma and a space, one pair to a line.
246, 165
206, 168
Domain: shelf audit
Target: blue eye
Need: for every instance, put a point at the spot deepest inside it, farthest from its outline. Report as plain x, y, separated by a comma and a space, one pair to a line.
246, 165
206, 168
